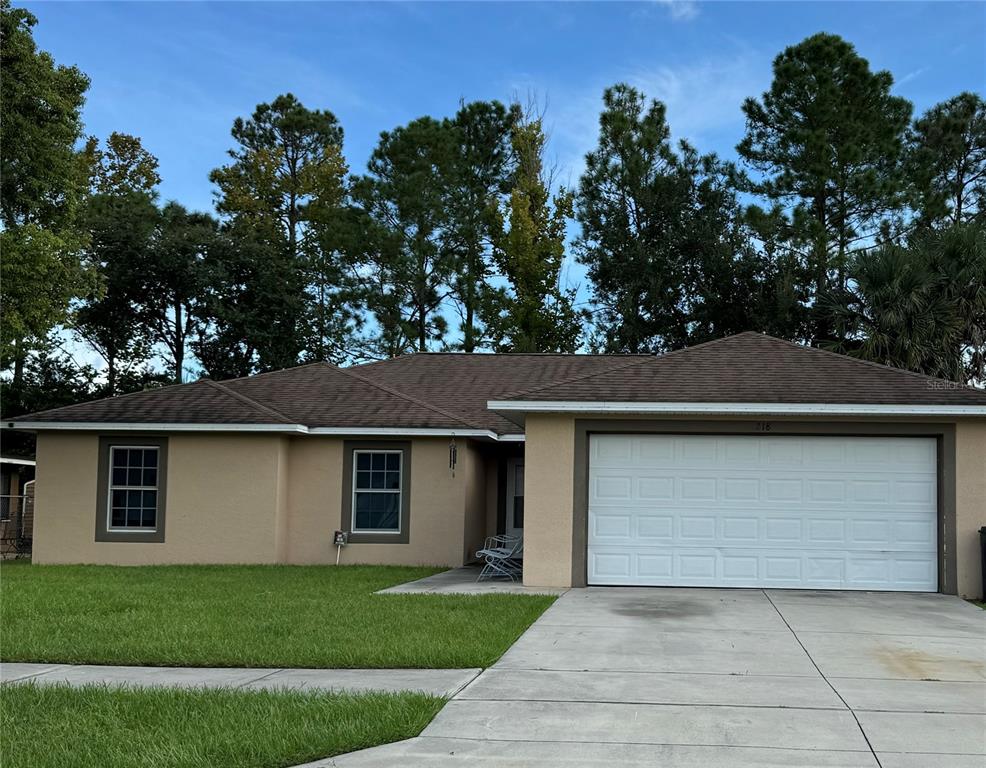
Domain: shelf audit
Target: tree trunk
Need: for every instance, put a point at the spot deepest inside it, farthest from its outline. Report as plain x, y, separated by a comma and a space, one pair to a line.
179, 343
18, 363
111, 374
468, 340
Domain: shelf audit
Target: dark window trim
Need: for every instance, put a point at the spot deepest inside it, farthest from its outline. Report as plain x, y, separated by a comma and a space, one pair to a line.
349, 447
103, 531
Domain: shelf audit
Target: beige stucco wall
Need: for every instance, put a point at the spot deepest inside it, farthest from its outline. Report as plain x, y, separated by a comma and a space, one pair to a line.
548, 500
472, 464
222, 502
970, 504
439, 505
256, 499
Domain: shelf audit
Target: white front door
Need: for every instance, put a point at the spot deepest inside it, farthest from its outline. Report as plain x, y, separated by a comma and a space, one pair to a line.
515, 497
763, 511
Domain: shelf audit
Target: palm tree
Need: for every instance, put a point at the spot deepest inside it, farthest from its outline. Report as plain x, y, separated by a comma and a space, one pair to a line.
921, 307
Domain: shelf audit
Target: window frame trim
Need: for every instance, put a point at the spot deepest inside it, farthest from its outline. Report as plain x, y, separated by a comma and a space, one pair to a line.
104, 531
400, 490
110, 487
347, 517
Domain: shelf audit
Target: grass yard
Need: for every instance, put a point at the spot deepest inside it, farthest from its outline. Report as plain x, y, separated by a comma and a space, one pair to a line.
250, 616
49, 726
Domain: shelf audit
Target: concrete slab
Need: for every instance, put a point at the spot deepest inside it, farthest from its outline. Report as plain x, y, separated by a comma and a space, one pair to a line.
818, 729
436, 682
176, 677
12, 671
898, 657
667, 610
628, 648
425, 751
912, 695
649, 688
940, 734
927, 618
463, 581
926, 760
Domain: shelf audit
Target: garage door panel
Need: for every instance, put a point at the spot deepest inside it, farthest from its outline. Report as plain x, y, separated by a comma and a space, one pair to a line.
755, 568
810, 512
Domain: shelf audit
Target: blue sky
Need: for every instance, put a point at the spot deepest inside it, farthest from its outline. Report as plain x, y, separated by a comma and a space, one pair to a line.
177, 73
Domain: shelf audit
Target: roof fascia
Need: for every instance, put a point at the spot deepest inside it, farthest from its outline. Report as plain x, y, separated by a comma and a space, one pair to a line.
301, 429
760, 409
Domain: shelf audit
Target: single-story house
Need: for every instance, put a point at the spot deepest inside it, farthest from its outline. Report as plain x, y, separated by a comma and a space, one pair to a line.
743, 462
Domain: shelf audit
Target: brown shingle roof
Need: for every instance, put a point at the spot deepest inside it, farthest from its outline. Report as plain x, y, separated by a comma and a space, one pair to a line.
463, 383
321, 395
451, 390
754, 368
200, 402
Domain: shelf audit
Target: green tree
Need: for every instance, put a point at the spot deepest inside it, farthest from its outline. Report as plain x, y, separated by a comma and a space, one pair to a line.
947, 161
663, 238
283, 188
51, 379
42, 181
120, 217
246, 308
921, 307
175, 281
535, 313
123, 166
121, 228
478, 179
825, 142
407, 257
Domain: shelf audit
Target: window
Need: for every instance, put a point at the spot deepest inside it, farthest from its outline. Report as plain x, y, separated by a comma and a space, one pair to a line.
133, 488
377, 489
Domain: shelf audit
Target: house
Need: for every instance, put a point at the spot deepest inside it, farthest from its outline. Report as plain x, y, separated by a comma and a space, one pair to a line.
743, 462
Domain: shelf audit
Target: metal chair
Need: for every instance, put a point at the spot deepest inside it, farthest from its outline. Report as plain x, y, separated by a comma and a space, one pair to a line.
502, 557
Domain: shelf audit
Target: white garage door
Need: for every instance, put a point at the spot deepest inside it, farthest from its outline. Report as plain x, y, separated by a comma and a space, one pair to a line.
763, 511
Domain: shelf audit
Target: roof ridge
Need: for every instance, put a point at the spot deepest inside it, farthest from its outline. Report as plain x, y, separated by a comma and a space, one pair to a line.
871, 363
561, 382
645, 357
403, 396
252, 376
250, 401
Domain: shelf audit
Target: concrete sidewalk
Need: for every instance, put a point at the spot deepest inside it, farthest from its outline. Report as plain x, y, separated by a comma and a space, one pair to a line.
437, 682
696, 678
464, 581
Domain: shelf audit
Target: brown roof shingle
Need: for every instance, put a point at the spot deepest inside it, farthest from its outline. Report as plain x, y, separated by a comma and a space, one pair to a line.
451, 390
199, 402
754, 368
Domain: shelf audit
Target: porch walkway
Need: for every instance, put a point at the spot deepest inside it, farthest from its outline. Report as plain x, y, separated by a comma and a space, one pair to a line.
437, 682
462, 581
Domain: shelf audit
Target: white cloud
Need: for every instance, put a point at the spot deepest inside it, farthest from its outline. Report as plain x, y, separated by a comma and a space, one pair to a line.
912, 75
703, 101
680, 10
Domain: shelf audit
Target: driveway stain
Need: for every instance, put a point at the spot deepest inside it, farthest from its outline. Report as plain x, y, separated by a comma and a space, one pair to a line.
920, 665
653, 609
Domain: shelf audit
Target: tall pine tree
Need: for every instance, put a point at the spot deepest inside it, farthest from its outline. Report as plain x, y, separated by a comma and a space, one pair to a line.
825, 146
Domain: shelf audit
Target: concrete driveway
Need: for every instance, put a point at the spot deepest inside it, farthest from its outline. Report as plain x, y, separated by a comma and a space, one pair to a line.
707, 677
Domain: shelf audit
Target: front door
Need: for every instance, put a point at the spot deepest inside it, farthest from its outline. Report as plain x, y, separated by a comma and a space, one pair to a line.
515, 497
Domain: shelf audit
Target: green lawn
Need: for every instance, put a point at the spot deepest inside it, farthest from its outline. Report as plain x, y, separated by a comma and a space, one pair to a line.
60, 727
250, 616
